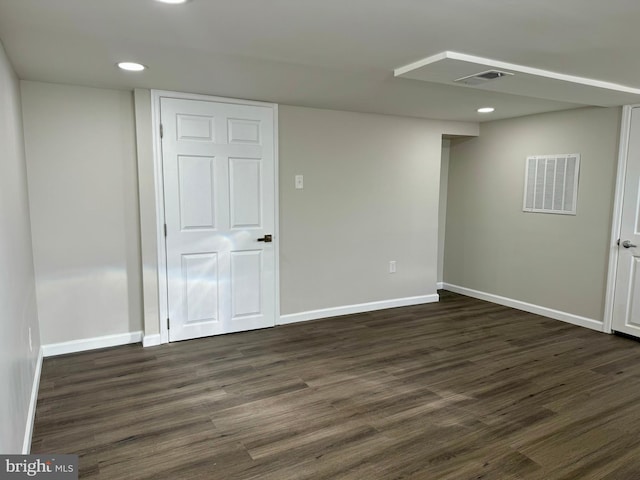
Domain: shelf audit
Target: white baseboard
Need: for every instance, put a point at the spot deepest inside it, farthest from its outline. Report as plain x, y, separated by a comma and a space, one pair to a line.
440, 285
31, 414
528, 307
84, 344
358, 308
151, 340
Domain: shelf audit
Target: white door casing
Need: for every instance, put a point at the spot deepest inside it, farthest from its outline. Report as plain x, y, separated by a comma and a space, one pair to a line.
626, 292
219, 185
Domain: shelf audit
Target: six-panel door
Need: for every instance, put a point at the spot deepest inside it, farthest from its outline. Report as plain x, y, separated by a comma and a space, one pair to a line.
626, 308
219, 187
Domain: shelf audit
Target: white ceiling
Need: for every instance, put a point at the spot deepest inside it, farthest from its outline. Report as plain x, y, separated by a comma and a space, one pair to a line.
337, 54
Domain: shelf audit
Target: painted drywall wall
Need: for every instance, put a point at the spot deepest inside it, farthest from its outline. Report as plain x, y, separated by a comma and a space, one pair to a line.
442, 205
361, 170
81, 164
18, 311
148, 217
554, 261
371, 195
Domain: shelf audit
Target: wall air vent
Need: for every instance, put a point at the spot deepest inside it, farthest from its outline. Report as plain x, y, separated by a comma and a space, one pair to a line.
482, 77
551, 183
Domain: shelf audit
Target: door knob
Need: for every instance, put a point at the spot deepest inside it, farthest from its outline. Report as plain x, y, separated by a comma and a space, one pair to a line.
266, 239
628, 244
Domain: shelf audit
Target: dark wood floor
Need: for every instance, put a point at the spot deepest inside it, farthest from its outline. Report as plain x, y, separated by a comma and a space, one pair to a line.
460, 390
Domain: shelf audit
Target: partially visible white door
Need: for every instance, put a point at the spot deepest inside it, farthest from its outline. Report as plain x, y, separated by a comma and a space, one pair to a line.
219, 187
626, 303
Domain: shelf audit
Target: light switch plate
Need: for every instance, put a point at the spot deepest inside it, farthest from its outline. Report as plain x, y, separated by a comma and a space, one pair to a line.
299, 182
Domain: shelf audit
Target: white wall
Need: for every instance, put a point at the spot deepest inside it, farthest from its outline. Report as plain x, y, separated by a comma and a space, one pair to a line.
492, 246
148, 217
18, 312
371, 195
442, 208
81, 158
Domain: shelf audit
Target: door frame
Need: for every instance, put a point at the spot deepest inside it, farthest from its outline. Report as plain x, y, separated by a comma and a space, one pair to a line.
623, 150
163, 298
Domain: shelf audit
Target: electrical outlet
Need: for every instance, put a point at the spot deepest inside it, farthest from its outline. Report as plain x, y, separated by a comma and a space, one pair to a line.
30, 341
392, 266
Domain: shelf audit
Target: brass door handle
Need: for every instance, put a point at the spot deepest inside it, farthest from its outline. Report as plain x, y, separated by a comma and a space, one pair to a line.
266, 239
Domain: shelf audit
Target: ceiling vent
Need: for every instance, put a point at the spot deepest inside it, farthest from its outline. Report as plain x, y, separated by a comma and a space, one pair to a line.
482, 77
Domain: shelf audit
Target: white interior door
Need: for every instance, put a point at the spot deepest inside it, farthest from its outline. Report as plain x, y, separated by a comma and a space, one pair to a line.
626, 303
219, 193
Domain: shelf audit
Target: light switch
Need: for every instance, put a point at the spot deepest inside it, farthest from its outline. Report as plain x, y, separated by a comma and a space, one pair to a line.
299, 182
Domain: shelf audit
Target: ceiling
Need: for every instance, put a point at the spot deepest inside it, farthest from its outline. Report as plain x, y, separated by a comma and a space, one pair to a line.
338, 54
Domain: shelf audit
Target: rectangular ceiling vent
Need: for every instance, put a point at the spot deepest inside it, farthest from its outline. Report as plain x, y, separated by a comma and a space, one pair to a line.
551, 184
482, 77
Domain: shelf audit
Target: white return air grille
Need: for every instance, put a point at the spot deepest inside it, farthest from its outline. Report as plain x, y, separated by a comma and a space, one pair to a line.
551, 183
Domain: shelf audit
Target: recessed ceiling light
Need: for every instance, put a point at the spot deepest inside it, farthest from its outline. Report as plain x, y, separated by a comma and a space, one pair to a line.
173, 2
131, 66
486, 110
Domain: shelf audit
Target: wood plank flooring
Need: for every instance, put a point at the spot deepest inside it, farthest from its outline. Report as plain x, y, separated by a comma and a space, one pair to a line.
462, 389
